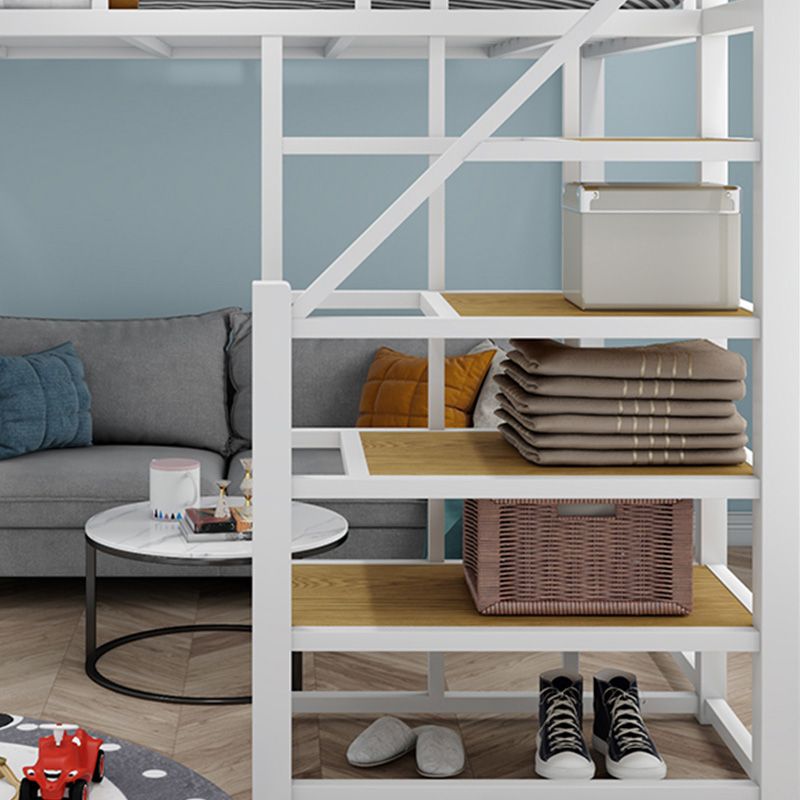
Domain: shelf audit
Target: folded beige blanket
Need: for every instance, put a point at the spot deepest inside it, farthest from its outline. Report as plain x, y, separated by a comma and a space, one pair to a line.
619, 424
624, 388
539, 404
696, 360
595, 441
621, 458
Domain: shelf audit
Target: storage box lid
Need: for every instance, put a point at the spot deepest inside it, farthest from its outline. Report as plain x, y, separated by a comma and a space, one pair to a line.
633, 198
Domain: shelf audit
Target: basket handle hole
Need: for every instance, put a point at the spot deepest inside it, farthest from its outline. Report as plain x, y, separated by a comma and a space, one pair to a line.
586, 510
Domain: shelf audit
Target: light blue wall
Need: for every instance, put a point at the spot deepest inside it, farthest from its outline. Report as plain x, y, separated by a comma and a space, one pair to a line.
132, 187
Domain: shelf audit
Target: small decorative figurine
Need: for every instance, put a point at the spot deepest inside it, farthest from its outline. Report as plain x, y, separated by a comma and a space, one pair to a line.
7, 774
222, 511
247, 488
68, 762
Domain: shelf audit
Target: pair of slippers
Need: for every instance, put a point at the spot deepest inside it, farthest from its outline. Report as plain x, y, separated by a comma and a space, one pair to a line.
439, 751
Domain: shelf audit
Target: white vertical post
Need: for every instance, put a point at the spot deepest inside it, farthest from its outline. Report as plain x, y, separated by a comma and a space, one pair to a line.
776, 400
436, 279
272, 550
711, 669
272, 158
436, 347
571, 111
436, 128
574, 117
712, 96
593, 112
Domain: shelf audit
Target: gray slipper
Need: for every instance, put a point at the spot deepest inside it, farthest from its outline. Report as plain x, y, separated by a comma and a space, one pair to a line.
440, 752
385, 740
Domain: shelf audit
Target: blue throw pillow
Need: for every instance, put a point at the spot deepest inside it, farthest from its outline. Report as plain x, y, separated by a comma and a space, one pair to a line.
44, 402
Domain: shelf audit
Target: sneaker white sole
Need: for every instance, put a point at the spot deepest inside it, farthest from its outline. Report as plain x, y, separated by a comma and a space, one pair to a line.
657, 772
545, 769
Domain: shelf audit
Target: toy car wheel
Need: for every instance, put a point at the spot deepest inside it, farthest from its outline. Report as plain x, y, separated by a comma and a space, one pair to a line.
28, 790
79, 791
99, 768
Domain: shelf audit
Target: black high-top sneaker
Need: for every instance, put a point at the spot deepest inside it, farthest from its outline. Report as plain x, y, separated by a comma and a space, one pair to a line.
619, 731
561, 751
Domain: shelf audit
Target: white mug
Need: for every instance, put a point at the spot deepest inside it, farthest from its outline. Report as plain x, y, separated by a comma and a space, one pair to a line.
174, 487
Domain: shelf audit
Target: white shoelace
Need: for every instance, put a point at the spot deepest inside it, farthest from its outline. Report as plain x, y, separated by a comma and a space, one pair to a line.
627, 725
561, 724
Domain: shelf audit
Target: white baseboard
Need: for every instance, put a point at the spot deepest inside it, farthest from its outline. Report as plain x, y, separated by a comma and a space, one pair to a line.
740, 528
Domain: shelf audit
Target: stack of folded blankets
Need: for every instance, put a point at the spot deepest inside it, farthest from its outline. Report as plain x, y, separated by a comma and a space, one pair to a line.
664, 404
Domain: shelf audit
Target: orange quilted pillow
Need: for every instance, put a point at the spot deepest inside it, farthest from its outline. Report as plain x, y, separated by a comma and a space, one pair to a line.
395, 394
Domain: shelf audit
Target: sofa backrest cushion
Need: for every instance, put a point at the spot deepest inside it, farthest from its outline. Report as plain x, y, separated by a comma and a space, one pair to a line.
153, 381
327, 374
44, 402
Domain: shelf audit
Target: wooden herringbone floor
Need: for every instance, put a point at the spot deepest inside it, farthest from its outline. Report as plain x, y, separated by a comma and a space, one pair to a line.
41, 675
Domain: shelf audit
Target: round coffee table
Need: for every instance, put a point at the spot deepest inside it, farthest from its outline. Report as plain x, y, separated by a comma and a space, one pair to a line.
130, 532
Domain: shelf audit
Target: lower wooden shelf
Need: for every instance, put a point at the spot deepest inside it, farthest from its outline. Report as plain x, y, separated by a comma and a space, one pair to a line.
425, 607
436, 595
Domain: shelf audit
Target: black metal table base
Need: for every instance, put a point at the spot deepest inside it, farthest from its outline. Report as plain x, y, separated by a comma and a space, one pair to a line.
94, 652
94, 673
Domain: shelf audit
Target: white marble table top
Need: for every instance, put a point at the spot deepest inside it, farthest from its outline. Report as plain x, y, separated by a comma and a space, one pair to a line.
130, 529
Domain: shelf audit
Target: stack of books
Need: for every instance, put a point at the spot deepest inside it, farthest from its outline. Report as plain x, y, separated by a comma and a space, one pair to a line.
200, 525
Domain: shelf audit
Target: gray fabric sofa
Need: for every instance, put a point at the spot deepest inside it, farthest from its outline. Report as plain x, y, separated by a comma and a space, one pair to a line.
178, 386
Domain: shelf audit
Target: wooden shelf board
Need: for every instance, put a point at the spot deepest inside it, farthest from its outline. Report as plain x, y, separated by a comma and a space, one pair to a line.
423, 452
436, 595
552, 304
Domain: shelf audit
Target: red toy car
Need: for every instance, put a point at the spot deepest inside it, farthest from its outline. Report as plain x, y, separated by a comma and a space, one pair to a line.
68, 761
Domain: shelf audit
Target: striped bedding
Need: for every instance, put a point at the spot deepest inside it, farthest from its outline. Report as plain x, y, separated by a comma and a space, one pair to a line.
345, 4
399, 4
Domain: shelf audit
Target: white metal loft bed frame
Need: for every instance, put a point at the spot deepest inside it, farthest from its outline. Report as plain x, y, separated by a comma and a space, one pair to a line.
579, 42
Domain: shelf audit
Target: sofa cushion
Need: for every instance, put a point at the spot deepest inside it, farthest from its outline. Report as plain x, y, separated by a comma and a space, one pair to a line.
63, 488
44, 402
153, 381
327, 376
395, 394
379, 514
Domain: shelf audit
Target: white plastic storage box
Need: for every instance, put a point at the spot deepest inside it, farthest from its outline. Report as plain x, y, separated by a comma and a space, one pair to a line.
643, 246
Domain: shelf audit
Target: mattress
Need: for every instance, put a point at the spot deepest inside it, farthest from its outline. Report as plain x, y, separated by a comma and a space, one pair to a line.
396, 4
340, 4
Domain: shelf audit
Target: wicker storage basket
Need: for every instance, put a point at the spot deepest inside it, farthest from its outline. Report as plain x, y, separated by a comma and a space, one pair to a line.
586, 557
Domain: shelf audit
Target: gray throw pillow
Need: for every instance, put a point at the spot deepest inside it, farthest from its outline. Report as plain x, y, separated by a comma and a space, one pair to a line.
153, 381
240, 354
44, 402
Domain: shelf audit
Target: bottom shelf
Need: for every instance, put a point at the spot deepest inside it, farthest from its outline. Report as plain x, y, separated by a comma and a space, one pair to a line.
500, 759
459, 789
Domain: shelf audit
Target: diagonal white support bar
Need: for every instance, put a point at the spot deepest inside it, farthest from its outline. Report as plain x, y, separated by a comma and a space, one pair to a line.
335, 47
430, 180
149, 44
732, 731
531, 47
